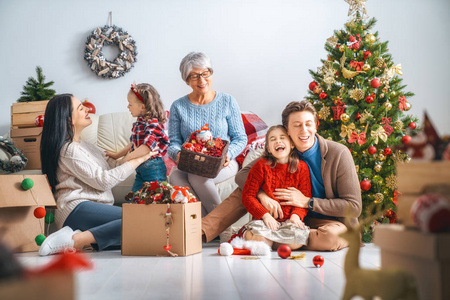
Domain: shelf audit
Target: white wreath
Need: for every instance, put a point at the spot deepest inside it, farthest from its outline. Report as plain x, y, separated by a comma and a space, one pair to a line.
109, 35
11, 159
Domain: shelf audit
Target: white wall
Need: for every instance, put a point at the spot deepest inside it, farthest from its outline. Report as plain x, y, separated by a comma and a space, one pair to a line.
261, 50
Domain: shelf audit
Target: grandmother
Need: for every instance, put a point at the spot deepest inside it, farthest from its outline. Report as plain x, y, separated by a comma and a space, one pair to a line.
190, 113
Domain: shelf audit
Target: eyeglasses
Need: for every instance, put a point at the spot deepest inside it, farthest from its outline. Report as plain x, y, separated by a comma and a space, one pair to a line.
204, 74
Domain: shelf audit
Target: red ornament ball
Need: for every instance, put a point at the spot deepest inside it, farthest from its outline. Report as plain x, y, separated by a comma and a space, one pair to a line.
90, 106
318, 261
406, 139
365, 185
387, 151
284, 251
412, 125
323, 95
39, 121
375, 83
367, 54
312, 85
431, 213
372, 150
369, 99
356, 45
40, 212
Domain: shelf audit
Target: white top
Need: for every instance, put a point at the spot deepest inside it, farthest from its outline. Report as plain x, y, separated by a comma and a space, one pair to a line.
85, 174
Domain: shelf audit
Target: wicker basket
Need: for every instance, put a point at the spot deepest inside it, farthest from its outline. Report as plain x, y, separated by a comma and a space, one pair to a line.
202, 164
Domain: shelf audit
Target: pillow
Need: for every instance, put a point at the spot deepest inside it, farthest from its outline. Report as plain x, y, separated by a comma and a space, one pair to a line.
256, 129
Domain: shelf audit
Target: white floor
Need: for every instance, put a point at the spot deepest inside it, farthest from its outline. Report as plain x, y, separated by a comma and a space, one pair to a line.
208, 275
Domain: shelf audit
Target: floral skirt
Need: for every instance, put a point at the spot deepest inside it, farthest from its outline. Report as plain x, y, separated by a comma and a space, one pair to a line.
287, 233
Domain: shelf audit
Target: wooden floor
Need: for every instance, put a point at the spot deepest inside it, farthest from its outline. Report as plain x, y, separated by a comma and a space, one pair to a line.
208, 275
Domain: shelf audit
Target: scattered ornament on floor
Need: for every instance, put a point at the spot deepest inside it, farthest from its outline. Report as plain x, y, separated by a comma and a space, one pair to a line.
239, 246
39, 121
284, 251
300, 256
318, 261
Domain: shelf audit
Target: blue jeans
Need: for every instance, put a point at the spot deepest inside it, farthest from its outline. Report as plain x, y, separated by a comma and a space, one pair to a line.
102, 220
151, 170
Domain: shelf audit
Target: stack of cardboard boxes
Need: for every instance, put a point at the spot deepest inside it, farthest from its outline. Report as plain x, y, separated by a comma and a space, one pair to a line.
426, 256
24, 133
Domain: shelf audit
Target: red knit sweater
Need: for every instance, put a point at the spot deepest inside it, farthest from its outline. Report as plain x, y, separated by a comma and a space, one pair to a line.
262, 176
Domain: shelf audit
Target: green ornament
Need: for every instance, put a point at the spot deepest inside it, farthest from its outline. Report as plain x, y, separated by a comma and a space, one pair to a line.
49, 218
39, 239
377, 179
27, 184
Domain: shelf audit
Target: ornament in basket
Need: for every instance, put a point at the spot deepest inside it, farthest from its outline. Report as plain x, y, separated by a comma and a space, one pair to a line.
160, 192
202, 154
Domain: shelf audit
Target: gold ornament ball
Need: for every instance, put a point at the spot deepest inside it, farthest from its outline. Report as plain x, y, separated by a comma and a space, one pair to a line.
319, 115
329, 138
345, 118
394, 93
382, 95
317, 89
381, 157
377, 168
379, 62
366, 67
387, 105
370, 38
408, 106
378, 198
342, 48
398, 124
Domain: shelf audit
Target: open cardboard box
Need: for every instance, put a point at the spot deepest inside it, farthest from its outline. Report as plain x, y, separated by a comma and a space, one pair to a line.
29, 141
413, 179
18, 225
425, 256
144, 230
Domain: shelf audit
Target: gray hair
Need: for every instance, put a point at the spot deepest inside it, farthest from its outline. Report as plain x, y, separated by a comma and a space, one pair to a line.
194, 60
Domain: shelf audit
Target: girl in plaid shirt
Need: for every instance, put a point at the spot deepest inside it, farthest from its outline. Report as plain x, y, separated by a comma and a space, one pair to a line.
147, 135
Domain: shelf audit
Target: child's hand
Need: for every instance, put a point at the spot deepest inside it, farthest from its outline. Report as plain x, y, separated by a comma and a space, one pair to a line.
296, 220
111, 154
270, 221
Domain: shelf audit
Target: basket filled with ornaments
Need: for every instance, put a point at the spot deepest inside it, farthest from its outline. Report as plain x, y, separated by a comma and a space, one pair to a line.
160, 192
202, 154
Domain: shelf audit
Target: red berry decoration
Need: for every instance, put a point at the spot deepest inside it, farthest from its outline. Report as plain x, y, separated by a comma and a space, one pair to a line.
406, 139
284, 251
90, 106
323, 95
39, 121
375, 83
412, 125
312, 85
369, 99
318, 261
387, 151
365, 185
40, 212
372, 150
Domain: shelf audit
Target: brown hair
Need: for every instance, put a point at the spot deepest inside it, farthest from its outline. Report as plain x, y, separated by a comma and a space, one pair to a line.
271, 160
295, 106
153, 105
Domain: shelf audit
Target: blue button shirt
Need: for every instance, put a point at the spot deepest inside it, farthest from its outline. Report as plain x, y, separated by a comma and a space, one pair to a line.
313, 159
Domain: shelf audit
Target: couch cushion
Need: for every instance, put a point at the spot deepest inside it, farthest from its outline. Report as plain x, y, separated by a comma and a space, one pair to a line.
114, 131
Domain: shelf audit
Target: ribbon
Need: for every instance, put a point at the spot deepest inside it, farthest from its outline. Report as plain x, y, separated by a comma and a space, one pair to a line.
347, 130
360, 138
402, 102
386, 121
357, 65
395, 69
379, 133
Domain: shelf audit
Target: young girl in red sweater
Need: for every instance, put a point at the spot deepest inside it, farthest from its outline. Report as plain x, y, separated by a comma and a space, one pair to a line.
279, 167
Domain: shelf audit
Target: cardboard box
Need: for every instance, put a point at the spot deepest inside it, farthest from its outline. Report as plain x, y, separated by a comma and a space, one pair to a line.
54, 286
18, 225
144, 230
415, 178
29, 141
24, 114
425, 256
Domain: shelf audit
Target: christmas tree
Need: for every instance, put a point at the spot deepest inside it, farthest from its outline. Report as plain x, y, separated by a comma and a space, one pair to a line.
362, 104
37, 89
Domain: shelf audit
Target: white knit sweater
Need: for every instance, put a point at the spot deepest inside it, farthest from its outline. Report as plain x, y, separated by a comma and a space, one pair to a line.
85, 174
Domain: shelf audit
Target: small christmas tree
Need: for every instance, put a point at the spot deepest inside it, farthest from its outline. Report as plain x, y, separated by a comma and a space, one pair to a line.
361, 104
37, 89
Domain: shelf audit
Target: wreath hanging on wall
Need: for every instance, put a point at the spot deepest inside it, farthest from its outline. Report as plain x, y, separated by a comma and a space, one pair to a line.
15, 161
109, 35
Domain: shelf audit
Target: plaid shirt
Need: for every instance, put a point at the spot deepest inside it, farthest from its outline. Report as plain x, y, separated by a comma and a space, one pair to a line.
149, 133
